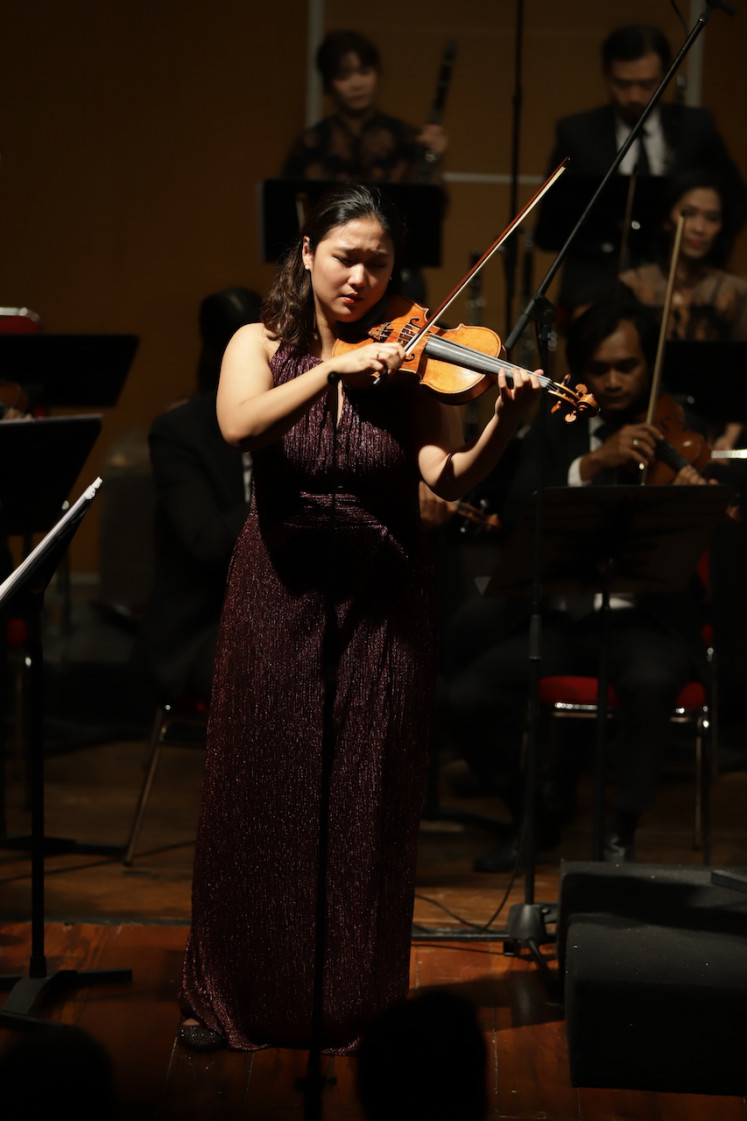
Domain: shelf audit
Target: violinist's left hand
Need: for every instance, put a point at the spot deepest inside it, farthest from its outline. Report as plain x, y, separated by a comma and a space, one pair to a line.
689, 477
519, 397
434, 139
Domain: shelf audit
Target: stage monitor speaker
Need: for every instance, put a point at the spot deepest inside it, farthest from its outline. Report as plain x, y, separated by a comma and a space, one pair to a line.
654, 963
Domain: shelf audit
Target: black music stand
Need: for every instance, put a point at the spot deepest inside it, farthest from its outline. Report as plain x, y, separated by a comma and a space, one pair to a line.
421, 206
40, 461
78, 371
562, 207
605, 540
28, 584
709, 375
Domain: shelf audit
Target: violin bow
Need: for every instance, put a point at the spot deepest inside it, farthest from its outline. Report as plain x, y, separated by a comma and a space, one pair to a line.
656, 377
483, 260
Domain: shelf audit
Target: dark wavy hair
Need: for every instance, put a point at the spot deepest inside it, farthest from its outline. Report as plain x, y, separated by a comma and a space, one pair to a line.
288, 312
600, 321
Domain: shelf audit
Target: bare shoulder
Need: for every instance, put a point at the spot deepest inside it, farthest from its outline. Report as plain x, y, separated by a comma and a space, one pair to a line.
254, 338
249, 352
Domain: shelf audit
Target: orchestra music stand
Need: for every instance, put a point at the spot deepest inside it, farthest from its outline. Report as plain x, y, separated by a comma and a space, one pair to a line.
421, 206
710, 375
40, 461
563, 206
68, 370
28, 583
630, 539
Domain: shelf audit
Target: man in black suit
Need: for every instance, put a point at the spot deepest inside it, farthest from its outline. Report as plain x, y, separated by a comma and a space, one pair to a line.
202, 489
653, 642
675, 138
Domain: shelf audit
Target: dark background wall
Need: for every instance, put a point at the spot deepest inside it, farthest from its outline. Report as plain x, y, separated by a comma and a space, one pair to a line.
134, 135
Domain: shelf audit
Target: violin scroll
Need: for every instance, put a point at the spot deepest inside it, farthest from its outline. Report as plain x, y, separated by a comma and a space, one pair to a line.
579, 400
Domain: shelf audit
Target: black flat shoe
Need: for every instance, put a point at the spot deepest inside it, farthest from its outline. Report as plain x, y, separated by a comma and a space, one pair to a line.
196, 1037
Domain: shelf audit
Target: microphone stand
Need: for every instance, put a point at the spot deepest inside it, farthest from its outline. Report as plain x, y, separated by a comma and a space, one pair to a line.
313, 1083
526, 926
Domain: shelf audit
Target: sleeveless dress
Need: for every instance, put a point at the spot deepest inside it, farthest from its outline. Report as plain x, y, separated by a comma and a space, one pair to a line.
333, 546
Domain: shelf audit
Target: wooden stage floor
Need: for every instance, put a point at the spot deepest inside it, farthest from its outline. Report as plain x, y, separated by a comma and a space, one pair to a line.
101, 915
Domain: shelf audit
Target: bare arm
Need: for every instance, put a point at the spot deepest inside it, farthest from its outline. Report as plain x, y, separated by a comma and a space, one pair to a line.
448, 465
253, 412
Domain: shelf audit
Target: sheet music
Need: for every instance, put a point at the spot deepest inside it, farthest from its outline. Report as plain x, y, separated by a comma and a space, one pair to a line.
67, 525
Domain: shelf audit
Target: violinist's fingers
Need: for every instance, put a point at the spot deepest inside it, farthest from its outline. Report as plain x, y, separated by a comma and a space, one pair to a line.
391, 355
689, 477
519, 383
638, 441
378, 358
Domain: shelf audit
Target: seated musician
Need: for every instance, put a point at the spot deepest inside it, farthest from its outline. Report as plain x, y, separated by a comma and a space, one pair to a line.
202, 492
675, 138
357, 141
654, 646
708, 302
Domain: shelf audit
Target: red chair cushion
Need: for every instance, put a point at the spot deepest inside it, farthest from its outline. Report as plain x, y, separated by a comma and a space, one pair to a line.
570, 689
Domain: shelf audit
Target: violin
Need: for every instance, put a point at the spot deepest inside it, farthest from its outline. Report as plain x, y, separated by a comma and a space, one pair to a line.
678, 447
489, 523
460, 363
457, 364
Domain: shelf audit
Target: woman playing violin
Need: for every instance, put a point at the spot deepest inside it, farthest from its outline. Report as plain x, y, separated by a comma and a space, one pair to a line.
326, 652
709, 303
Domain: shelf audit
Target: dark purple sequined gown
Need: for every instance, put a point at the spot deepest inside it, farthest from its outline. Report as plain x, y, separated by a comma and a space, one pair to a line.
249, 966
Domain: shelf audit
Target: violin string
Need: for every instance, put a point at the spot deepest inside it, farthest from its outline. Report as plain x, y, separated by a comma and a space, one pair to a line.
440, 348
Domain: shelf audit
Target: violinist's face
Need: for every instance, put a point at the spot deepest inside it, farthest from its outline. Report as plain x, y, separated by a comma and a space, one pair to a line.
701, 209
350, 269
353, 88
617, 372
632, 83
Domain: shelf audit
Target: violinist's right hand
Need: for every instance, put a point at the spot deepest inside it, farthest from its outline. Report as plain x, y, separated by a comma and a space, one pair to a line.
633, 445
362, 364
